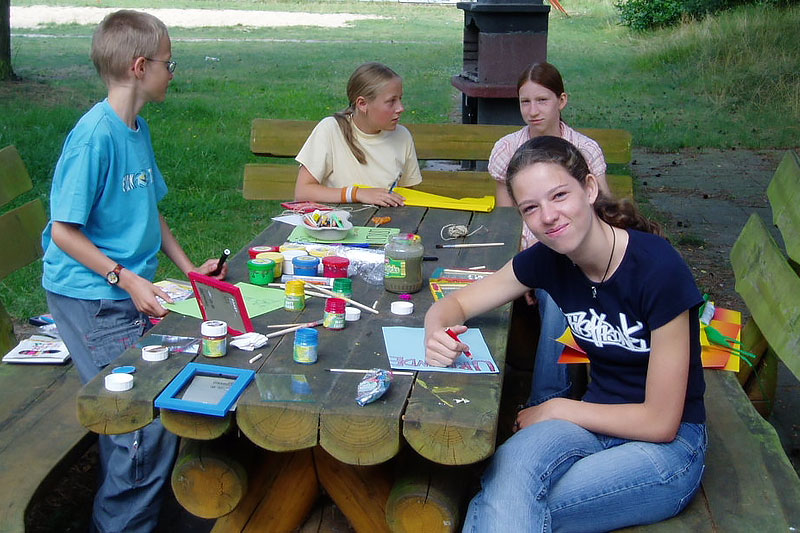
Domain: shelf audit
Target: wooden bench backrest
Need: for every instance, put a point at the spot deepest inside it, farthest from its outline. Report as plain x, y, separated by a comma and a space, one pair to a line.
20, 229
474, 142
765, 278
284, 138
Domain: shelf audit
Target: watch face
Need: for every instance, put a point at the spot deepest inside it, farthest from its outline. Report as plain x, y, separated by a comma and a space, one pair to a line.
112, 277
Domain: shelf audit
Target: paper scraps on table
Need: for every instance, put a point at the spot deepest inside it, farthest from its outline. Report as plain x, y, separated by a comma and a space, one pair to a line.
405, 348
249, 341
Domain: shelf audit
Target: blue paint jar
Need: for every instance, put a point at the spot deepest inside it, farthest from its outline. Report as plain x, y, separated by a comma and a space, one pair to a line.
305, 265
306, 341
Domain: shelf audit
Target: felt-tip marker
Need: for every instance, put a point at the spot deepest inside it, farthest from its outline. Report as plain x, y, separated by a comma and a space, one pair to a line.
455, 338
222, 258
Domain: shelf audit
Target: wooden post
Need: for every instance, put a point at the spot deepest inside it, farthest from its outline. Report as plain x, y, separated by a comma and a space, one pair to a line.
209, 478
425, 497
360, 492
282, 493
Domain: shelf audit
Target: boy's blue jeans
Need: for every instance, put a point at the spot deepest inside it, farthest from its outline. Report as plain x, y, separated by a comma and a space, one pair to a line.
135, 466
557, 476
550, 379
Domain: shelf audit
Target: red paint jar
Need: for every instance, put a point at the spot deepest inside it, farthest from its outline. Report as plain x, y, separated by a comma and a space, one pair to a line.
255, 250
335, 267
334, 313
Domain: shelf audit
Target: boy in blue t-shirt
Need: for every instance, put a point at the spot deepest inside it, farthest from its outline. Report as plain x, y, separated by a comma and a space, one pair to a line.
101, 246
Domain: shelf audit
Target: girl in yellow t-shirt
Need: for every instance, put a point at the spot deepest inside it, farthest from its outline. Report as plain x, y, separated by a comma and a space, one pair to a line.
363, 144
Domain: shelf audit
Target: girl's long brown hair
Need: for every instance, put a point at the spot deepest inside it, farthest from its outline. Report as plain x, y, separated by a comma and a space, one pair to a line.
621, 213
367, 81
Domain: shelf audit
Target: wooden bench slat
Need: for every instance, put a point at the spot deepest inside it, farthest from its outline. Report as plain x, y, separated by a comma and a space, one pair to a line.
20, 236
274, 181
14, 178
784, 197
39, 434
474, 142
770, 288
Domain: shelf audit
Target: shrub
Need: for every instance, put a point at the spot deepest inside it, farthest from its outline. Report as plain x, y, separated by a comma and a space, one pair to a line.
644, 15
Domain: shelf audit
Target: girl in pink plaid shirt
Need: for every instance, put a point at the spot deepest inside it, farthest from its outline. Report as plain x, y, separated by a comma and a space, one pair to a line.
541, 99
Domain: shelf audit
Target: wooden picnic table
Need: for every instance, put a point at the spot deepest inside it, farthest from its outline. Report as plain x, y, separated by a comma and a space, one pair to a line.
419, 410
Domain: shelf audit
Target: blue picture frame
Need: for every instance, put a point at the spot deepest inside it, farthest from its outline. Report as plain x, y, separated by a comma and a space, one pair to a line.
169, 399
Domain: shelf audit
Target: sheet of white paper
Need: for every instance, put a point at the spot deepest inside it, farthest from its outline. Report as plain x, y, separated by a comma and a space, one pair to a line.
406, 350
294, 220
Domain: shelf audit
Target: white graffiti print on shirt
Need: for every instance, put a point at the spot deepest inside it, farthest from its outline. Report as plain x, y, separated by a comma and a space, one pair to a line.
143, 178
594, 328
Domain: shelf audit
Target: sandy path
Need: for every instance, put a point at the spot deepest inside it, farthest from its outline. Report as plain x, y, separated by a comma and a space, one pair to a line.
37, 16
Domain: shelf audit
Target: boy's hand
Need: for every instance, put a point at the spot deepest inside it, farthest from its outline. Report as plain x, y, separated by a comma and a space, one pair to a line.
143, 293
209, 266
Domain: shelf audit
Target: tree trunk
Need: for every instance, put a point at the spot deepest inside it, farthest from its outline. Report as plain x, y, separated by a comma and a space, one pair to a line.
6, 73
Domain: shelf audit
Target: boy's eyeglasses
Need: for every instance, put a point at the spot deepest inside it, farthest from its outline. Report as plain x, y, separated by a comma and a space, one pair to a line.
170, 64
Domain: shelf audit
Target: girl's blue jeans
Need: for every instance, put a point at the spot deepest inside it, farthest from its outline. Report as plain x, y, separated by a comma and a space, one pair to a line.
550, 379
134, 467
557, 476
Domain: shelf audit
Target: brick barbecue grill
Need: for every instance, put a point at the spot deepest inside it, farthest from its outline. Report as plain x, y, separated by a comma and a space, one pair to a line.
501, 38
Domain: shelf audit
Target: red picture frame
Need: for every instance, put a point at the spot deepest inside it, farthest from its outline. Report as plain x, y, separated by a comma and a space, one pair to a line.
220, 300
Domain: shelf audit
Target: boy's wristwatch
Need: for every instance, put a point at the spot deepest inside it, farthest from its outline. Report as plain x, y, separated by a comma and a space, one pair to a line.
113, 277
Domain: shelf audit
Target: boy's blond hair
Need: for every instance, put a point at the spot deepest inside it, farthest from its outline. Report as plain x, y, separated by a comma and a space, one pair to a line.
122, 37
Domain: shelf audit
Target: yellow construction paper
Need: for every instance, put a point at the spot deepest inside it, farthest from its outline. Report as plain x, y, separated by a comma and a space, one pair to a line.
426, 199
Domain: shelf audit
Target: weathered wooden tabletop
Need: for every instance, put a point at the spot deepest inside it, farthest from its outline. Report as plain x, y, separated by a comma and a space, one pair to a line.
420, 408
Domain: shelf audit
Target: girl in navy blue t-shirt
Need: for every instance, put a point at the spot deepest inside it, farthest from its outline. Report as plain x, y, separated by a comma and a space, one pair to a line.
632, 450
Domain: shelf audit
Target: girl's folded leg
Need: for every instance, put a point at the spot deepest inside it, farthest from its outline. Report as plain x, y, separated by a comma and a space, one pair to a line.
516, 483
629, 483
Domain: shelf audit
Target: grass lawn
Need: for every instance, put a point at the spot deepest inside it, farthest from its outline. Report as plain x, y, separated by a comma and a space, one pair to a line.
684, 87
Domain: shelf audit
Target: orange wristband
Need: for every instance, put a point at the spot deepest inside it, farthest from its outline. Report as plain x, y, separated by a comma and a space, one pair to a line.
344, 195
355, 190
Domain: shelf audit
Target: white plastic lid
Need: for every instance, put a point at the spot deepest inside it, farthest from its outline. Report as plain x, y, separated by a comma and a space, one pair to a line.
402, 308
155, 353
119, 382
214, 328
351, 314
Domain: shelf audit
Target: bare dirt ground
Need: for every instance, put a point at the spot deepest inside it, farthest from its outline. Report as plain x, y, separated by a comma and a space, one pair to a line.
34, 17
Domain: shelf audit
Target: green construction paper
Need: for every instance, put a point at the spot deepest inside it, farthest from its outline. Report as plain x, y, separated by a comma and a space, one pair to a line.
358, 235
258, 300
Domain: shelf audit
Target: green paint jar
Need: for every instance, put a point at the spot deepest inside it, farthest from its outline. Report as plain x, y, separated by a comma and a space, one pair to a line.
262, 271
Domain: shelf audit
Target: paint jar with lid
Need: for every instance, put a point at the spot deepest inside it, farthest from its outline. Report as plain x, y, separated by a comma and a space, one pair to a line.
319, 251
343, 287
288, 256
403, 263
305, 265
334, 313
262, 271
285, 247
255, 250
214, 334
277, 258
335, 267
306, 341
294, 295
